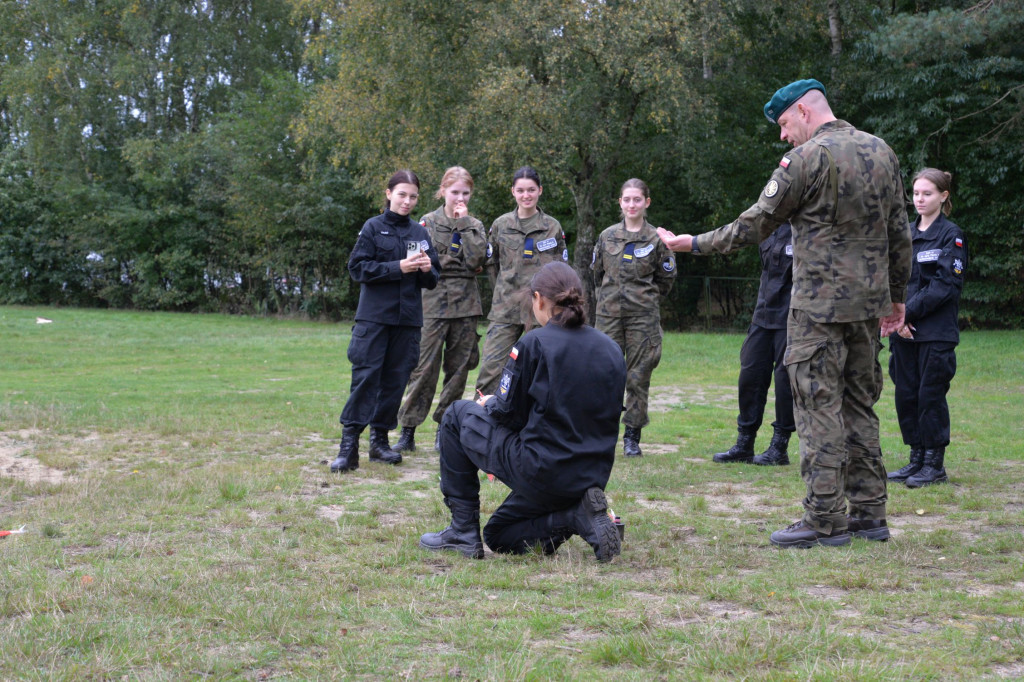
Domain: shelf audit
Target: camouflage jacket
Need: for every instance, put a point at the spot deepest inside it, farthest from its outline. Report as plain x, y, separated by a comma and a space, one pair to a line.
842, 192
632, 271
516, 250
461, 249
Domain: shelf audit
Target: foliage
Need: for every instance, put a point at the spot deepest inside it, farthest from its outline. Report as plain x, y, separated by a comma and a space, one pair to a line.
222, 155
958, 105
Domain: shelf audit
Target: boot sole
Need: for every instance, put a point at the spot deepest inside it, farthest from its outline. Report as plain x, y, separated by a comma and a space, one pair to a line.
382, 460
835, 541
341, 470
738, 460
475, 553
608, 544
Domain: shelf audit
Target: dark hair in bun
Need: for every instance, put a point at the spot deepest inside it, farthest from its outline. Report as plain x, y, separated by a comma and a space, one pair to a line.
560, 284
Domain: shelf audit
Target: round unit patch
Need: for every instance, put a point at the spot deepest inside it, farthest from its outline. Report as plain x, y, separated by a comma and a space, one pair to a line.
771, 189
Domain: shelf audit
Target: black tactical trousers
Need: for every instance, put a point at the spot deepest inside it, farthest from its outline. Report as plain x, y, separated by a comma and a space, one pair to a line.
762, 356
382, 357
921, 374
472, 442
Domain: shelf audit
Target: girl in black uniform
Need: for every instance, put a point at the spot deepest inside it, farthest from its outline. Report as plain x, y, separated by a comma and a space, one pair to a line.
923, 358
549, 434
393, 261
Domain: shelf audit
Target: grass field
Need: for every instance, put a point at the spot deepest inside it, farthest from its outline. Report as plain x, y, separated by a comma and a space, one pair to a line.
181, 522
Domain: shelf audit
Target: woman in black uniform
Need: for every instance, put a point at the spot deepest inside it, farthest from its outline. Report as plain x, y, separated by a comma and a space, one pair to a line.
923, 351
393, 261
549, 434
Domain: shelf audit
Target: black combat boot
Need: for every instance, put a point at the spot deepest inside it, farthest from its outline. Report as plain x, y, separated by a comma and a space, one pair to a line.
932, 471
406, 442
801, 535
631, 442
743, 451
869, 529
462, 535
777, 452
380, 449
348, 453
916, 462
592, 523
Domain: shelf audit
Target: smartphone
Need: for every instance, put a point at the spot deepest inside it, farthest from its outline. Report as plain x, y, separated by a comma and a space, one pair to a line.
412, 249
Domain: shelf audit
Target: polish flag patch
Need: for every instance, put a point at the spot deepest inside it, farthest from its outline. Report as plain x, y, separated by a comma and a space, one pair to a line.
959, 243
514, 354
785, 162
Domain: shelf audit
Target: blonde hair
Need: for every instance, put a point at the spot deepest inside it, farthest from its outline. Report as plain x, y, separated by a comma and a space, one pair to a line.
942, 181
450, 177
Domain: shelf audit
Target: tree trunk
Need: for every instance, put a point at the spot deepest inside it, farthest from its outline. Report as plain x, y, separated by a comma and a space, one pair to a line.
583, 193
835, 32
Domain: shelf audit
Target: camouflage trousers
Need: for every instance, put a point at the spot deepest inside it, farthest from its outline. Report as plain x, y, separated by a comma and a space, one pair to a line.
836, 379
498, 343
640, 341
449, 344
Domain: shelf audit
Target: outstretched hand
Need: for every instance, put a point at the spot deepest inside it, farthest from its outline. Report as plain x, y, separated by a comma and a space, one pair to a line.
682, 242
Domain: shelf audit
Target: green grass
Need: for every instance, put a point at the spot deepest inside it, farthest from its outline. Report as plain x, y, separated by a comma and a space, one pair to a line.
170, 471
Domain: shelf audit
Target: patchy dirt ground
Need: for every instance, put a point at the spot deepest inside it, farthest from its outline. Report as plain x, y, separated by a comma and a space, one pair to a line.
17, 462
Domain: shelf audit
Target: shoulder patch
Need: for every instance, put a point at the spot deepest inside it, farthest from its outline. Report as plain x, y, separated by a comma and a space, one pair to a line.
784, 162
643, 251
771, 189
669, 264
490, 250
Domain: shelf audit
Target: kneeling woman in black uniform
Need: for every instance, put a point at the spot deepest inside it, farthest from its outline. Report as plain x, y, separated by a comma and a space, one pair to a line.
923, 359
549, 434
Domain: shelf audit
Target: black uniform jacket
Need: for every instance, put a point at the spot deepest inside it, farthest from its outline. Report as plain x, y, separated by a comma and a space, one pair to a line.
562, 390
773, 295
386, 295
936, 280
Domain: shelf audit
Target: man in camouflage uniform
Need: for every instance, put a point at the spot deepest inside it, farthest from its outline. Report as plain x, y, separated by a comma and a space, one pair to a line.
840, 188
516, 250
632, 271
450, 312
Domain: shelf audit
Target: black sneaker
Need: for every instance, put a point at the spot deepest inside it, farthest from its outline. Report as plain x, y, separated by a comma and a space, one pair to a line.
801, 535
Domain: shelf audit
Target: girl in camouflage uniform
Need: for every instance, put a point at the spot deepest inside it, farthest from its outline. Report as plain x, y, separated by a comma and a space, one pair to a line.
633, 269
449, 311
518, 245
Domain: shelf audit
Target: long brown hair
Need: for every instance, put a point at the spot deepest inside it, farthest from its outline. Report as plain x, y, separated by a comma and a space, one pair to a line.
942, 181
406, 176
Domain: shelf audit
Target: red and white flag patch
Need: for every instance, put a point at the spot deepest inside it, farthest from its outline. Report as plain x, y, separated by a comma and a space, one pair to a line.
785, 162
514, 354
959, 243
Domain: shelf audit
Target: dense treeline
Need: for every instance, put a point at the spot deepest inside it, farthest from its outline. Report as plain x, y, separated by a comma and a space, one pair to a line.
209, 155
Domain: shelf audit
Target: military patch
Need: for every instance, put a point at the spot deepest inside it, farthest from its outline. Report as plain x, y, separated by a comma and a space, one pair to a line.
959, 243
456, 242
423, 222
506, 382
565, 255
958, 266
929, 256
528, 248
669, 265
771, 189
514, 354
424, 246
547, 244
643, 251
785, 162
789, 250
490, 250
627, 253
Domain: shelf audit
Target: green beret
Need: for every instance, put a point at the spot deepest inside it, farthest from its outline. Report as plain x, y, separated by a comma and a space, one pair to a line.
785, 97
